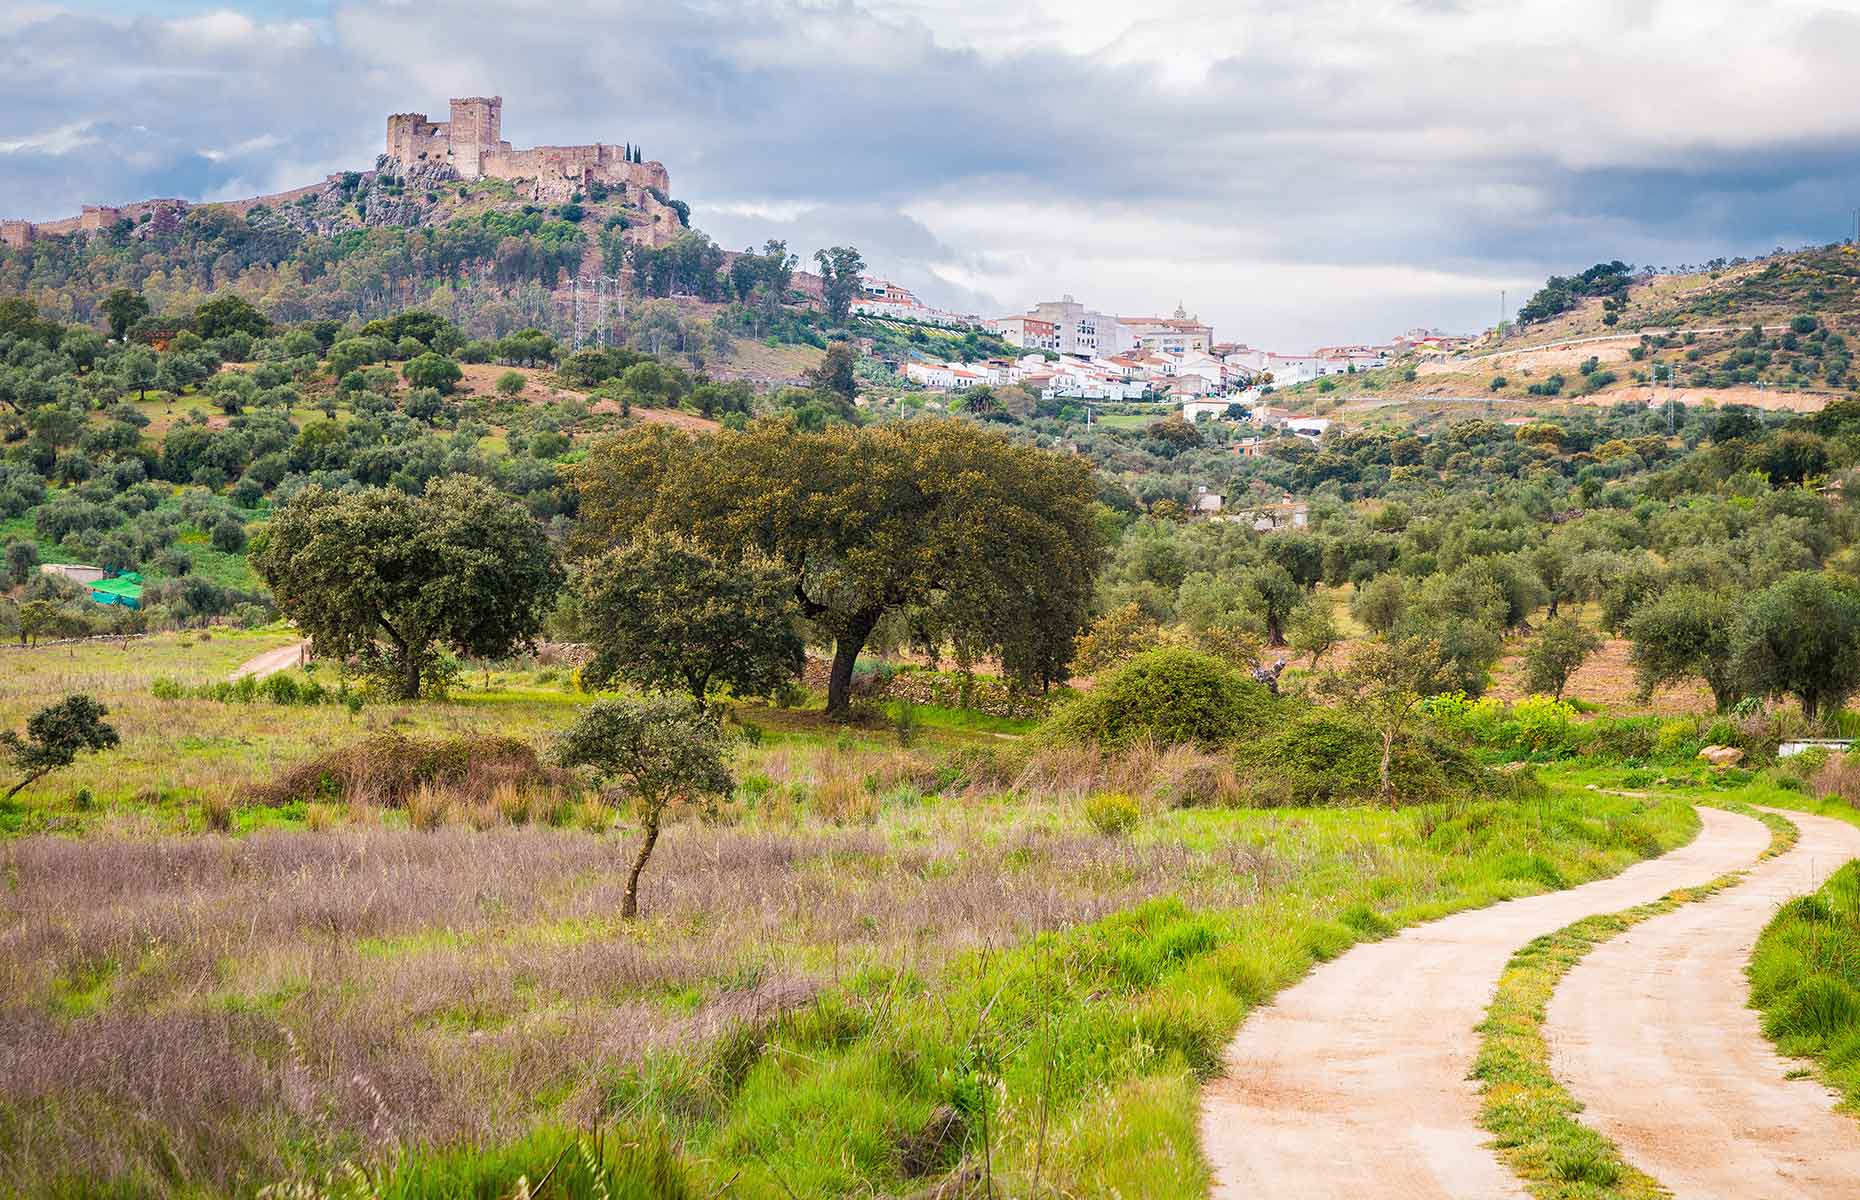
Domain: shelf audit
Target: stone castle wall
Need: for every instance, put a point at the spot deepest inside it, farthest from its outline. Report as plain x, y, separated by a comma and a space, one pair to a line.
472, 143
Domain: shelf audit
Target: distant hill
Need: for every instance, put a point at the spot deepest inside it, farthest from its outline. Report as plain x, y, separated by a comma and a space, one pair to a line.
1775, 332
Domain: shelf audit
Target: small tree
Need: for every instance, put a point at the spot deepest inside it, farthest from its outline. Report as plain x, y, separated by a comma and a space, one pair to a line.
1379, 604
1231, 642
1801, 636
1117, 636
665, 613
1554, 656
510, 383
1273, 595
658, 750
1313, 631
1687, 633
1385, 685
434, 371
38, 618
55, 736
124, 308
461, 566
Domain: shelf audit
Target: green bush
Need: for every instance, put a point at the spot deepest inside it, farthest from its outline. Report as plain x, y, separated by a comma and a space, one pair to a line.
1171, 697
280, 688
1676, 738
1618, 739
1323, 756
1112, 813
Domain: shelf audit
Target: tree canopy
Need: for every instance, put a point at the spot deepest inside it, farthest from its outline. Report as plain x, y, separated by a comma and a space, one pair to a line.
664, 612
978, 542
460, 567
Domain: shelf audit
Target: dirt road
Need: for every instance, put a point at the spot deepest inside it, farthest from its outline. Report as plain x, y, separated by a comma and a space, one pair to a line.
273, 661
1653, 1034
1353, 1083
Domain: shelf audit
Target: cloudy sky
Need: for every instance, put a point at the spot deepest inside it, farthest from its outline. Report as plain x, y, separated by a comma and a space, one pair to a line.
1297, 172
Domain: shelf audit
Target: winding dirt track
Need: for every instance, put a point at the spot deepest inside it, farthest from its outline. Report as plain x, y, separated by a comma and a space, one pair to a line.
272, 661
1353, 1083
1653, 1034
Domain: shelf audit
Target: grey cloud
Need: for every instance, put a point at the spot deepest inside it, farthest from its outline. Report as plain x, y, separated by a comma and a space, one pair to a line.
1337, 137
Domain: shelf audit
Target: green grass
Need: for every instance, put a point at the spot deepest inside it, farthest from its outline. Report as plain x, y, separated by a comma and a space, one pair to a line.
1805, 980
1074, 1053
1101, 1035
1531, 1115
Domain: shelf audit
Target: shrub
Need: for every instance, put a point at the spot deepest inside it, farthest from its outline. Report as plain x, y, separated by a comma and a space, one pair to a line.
1187, 779
1617, 738
984, 767
216, 812
844, 800
388, 768
1172, 697
1112, 813
1540, 723
1325, 756
1678, 737
229, 535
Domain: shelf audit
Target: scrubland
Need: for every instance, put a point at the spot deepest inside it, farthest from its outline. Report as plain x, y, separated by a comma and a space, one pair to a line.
878, 968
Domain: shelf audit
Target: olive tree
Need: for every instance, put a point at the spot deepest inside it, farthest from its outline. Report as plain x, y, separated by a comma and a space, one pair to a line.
1687, 633
1562, 646
657, 750
1801, 637
392, 579
1385, 684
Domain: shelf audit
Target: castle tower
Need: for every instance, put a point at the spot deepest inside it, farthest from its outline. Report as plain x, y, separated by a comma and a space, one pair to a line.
474, 132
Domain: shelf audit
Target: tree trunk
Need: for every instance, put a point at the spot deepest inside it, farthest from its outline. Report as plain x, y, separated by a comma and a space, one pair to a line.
21, 785
846, 649
1388, 752
629, 904
410, 678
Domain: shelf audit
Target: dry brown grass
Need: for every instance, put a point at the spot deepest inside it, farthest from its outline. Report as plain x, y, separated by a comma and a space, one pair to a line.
393, 770
1159, 777
365, 986
1838, 779
844, 800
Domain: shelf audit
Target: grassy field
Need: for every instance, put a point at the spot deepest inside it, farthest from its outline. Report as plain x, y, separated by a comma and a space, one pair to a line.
878, 968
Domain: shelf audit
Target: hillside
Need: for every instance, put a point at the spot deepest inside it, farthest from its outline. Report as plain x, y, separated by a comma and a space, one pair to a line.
1773, 333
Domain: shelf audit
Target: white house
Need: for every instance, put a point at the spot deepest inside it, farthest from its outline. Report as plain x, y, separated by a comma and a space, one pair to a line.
937, 376
1026, 331
1194, 410
1313, 428
1287, 514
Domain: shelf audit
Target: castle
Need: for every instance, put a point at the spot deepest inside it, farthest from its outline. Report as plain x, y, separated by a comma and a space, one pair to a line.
472, 144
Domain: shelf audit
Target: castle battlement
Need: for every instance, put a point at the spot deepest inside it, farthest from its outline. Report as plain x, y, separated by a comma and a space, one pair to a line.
471, 142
